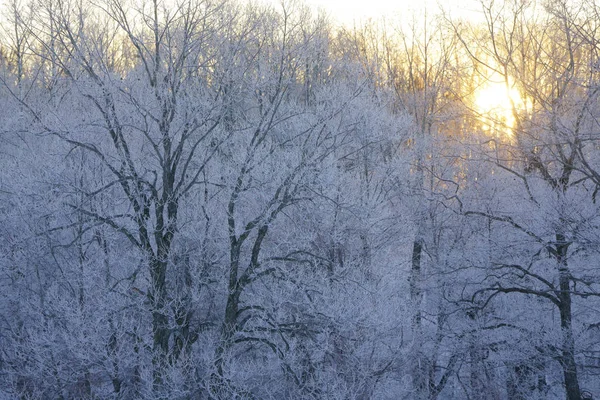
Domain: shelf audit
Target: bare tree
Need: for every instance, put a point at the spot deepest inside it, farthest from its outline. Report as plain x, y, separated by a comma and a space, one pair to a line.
548, 60
154, 127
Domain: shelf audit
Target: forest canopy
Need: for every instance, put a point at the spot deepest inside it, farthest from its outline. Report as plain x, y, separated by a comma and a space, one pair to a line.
218, 199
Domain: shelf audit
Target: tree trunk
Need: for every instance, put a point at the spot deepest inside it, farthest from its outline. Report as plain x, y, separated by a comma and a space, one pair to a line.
568, 350
160, 322
231, 311
419, 373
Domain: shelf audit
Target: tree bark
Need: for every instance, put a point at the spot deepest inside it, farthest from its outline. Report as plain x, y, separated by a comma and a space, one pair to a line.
568, 350
419, 375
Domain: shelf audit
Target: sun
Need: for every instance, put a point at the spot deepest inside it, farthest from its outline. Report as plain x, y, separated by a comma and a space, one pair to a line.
495, 102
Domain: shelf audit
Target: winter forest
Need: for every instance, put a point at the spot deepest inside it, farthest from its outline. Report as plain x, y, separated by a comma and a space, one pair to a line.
219, 199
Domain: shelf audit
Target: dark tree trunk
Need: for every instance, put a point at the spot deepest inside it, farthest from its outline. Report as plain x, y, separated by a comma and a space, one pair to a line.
568, 347
160, 321
420, 368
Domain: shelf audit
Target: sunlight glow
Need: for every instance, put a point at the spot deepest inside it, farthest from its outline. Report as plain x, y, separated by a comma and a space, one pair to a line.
494, 102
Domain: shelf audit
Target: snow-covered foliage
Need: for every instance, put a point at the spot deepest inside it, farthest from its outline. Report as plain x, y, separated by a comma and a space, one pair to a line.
214, 200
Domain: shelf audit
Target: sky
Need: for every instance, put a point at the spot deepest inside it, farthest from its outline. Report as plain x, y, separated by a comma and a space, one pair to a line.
348, 11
